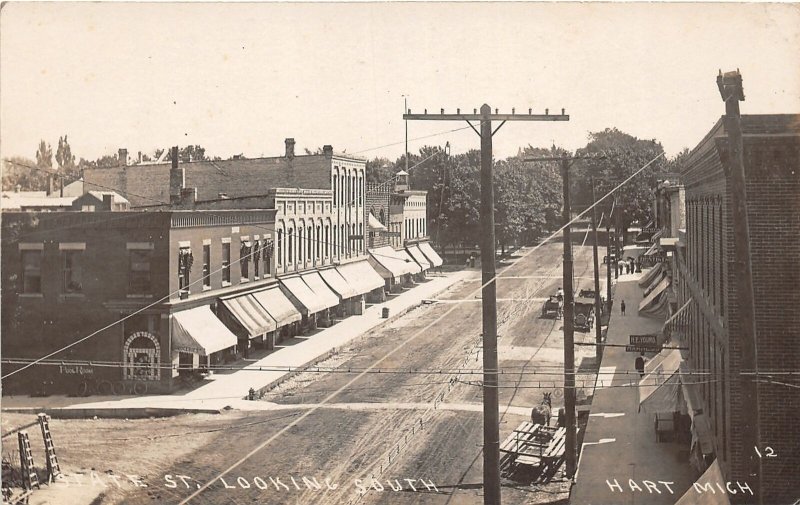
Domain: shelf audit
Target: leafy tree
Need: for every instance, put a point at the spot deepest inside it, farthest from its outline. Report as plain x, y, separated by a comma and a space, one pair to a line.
380, 170
44, 155
22, 172
624, 155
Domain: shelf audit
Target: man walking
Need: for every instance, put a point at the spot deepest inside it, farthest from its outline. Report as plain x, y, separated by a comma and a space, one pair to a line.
622, 307
640, 365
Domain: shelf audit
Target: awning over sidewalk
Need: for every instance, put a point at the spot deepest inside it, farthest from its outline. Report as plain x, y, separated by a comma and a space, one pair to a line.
302, 295
431, 254
653, 249
361, 276
420, 258
249, 313
339, 284
705, 490
324, 294
199, 331
278, 306
375, 224
651, 275
390, 263
659, 389
690, 392
651, 297
667, 330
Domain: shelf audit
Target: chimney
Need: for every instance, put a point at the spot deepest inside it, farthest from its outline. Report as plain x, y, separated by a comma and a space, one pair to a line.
188, 197
17, 188
139, 158
289, 148
108, 200
51, 184
123, 157
177, 179
327, 150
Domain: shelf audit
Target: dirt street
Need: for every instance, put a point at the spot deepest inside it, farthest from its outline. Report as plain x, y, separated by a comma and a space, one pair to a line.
413, 421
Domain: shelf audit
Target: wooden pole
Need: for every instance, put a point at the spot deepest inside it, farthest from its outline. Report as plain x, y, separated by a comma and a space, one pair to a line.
569, 332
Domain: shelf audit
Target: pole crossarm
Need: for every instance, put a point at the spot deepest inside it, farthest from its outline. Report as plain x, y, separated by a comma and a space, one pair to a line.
492, 117
473, 128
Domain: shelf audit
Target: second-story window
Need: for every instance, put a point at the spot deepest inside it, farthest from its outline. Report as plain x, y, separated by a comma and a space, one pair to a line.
256, 257
185, 261
226, 262
244, 259
139, 282
266, 255
279, 258
72, 262
31, 271
207, 266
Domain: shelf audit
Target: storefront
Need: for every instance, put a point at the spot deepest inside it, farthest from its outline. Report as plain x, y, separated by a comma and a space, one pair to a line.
250, 320
304, 298
199, 340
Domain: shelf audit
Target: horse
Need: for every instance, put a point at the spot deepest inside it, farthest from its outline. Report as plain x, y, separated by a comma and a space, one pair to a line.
540, 414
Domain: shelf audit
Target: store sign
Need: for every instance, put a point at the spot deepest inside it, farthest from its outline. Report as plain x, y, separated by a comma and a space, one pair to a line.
642, 348
75, 370
644, 339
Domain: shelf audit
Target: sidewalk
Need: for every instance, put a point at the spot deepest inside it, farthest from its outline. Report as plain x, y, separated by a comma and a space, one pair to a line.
229, 390
620, 443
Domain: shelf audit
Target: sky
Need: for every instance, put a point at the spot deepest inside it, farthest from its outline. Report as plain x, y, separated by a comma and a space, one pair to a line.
240, 78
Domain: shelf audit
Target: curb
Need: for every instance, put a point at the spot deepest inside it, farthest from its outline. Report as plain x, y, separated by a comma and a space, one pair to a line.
305, 366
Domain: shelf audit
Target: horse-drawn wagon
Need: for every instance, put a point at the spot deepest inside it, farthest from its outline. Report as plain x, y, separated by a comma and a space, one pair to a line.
553, 307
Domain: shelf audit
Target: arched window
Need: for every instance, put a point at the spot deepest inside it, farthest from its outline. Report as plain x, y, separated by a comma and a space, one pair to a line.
279, 258
290, 246
335, 188
142, 357
310, 243
343, 237
300, 244
319, 242
327, 241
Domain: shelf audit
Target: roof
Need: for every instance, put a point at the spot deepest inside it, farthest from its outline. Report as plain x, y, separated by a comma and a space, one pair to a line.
149, 184
12, 200
117, 197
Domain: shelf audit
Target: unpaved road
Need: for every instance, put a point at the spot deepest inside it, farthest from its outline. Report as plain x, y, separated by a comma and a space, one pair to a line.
416, 426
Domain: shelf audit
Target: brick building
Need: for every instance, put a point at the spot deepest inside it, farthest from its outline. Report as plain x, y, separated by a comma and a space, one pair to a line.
706, 288
68, 274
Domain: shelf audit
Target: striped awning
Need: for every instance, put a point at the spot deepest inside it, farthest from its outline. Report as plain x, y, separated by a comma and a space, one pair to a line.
250, 314
324, 293
658, 389
420, 258
431, 254
279, 307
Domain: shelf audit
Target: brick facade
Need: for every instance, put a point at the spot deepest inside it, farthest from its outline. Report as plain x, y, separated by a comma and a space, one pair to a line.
707, 273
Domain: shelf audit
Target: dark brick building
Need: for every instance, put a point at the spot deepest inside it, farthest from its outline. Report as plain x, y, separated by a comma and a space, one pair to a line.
124, 275
706, 274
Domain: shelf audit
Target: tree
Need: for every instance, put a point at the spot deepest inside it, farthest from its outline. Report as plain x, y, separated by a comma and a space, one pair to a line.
44, 156
22, 172
625, 154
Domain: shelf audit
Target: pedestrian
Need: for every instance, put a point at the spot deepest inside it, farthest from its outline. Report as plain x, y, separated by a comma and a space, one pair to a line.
640, 365
622, 307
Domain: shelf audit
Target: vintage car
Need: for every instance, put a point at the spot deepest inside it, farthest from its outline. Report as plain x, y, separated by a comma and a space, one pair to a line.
553, 307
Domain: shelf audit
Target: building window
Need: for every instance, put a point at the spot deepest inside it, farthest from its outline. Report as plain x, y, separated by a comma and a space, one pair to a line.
327, 241
310, 238
142, 354
31, 271
266, 255
207, 265
300, 244
185, 260
139, 271
335, 189
279, 258
383, 217
226, 263
244, 259
319, 242
290, 245
73, 271
256, 257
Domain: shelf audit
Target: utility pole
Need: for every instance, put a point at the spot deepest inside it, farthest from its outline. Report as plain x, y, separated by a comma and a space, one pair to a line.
491, 413
732, 92
608, 263
405, 108
597, 308
571, 442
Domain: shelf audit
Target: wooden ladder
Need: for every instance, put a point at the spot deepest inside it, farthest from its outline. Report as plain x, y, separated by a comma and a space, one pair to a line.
29, 476
53, 468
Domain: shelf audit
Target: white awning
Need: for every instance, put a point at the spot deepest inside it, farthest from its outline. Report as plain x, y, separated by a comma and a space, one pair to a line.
305, 296
278, 306
361, 276
651, 297
431, 254
390, 263
420, 258
339, 284
199, 331
659, 389
250, 314
375, 224
705, 490
676, 314
324, 294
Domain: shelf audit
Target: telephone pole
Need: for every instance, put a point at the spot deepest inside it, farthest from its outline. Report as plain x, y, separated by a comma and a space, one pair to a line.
571, 442
732, 92
491, 413
597, 308
608, 263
